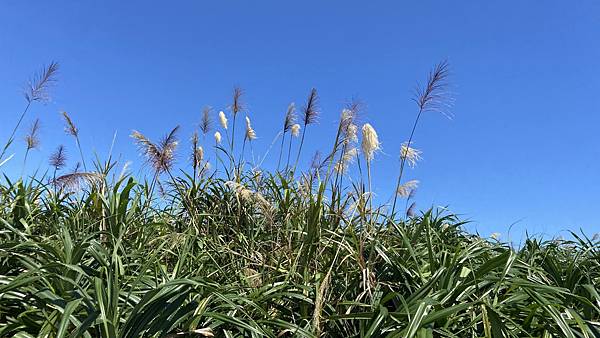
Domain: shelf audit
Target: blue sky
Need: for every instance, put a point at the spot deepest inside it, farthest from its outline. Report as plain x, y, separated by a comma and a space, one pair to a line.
522, 146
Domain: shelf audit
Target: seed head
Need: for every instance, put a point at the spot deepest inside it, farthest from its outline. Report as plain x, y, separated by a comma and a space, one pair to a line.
344, 163
37, 88
70, 127
250, 133
352, 133
409, 154
295, 130
198, 156
32, 139
434, 95
370, 141
311, 109
290, 117
407, 188
218, 137
58, 159
206, 123
237, 105
160, 156
223, 120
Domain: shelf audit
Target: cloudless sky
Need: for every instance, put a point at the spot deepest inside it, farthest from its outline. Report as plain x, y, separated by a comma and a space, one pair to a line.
522, 147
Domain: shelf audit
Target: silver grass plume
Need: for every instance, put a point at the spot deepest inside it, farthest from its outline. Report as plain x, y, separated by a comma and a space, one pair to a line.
290, 118
197, 152
434, 96
32, 139
409, 154
37, 88
406, 189
70, 127
311, 109
161, 156
223, 120
250, 133
75, 180
206, 122
347, 158
295, 130
370, 142
58, 159
248, 195
237, 105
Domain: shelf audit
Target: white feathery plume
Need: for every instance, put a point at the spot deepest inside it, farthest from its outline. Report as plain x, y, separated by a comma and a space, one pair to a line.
351, 133
248, 195
405, 189
223, 120
370, 141
409, 154
344, 163
198, 156
295, 130
218, 137
250, 133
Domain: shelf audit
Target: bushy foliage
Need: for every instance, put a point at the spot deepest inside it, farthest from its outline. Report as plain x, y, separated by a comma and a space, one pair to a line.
236, 251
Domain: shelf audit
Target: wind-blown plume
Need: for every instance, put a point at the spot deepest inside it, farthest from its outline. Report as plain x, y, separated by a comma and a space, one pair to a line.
295, 130
160, 156
206, 122
237, 105
290, 117
406, 189
310, 113
223, 120
197, 152
311, 109
434, 95
74, 180
58, 159
70, 127
32, 139
409, 154
370, 142
250, 133
347, 158
38, 86
248, 195
348, 129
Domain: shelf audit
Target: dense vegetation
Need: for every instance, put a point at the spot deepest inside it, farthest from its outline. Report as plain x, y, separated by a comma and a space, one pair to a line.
231, 250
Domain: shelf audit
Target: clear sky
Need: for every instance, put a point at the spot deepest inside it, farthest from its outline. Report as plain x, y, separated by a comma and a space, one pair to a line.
522, 147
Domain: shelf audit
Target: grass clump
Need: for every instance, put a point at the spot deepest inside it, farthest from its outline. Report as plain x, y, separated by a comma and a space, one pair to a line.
234, 250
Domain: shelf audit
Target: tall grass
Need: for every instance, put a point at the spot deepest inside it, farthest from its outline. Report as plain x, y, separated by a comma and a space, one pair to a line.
235, 250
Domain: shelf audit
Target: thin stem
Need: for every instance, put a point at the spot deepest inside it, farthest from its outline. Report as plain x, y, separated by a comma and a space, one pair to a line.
80, 152
370, 194
287, 164
12, 135
300, 148
25, 161
233, 131
281, 150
